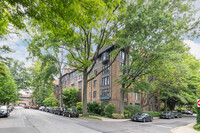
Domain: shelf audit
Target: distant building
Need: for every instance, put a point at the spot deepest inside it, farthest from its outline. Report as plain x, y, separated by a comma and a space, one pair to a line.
25, 99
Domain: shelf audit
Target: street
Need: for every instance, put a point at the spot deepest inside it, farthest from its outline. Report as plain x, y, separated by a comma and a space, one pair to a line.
34, 121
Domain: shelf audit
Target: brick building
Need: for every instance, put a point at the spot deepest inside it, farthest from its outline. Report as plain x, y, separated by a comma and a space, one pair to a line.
104, 87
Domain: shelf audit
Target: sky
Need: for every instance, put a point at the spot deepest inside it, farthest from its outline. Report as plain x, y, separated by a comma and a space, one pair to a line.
17, 44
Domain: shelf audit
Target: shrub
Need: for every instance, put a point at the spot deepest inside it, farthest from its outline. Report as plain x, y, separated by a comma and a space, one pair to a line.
127, 114
109, 110
118, 116
197, 127
154, 114
133, 109
94, 108
79, 107
198, 115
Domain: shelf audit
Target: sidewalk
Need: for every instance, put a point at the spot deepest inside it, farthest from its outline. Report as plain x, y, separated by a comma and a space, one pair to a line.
112, 120
118, 120
185, 129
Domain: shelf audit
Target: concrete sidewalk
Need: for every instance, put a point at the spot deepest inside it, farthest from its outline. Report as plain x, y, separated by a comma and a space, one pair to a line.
185, 129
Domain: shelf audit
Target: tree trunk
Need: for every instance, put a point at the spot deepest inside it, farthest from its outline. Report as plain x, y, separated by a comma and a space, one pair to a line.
165, 105
122, 101
85, 76
60, 91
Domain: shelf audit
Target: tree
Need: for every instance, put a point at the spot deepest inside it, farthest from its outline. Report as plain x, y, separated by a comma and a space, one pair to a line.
151, 30
8, 88
50, 101
80, 27
71, 96
52, 58
42, 87
20, 74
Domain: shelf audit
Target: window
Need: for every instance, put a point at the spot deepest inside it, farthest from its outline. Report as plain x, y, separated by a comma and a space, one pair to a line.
80, 77
72, 85
90, 83
94, 94
95, 72
105, 56
121, 55
121, 65
105, 81
131, 103
90, 94
80, 84
130, 94
106, 70
125, 95
105, 93
95, 83
137, 96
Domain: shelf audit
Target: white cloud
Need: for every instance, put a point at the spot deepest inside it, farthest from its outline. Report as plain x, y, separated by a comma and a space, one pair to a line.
17, 44
194, 48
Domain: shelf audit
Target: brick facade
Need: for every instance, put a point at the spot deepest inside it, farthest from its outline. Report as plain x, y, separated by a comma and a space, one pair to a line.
104, 87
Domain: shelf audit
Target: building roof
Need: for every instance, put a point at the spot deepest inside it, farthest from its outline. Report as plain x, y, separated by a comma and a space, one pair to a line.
25, 95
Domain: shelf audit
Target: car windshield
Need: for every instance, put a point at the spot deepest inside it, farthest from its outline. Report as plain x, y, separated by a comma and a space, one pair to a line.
140, 113
3, 107
166, 112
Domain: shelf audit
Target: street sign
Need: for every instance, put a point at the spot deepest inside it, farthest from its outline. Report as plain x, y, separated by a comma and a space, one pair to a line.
198, 102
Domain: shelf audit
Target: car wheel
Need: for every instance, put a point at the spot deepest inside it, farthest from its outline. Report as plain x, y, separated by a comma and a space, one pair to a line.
151, 119
144, 120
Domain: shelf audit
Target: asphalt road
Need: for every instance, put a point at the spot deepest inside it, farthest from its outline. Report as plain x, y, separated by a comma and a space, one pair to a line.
34, 121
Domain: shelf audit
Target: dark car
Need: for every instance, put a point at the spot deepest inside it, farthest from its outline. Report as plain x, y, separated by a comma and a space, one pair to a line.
177, 114
187, 112
42, 108
4, 111
51, 110
70, 112
58, 111
167, 115
144, 117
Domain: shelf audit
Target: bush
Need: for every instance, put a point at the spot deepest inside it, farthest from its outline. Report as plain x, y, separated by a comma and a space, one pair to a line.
197, 127
109, 110
94, 108
79, 107
198, 115
127, 114
133, 109
154, 114
117, 116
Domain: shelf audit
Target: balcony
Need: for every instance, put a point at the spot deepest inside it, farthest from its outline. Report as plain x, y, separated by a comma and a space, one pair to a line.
105, 98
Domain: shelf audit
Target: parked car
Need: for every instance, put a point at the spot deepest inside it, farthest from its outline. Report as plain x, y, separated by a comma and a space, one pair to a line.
42, 108
167, 115
10, 108
58, 111
70, 112
26, 107
4, 111
144, 117
50, 110
177, 114
187, 112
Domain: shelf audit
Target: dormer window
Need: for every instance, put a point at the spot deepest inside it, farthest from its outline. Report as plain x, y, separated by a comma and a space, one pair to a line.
105, 57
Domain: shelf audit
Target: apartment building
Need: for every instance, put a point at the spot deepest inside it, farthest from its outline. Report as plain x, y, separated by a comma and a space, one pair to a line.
104, 87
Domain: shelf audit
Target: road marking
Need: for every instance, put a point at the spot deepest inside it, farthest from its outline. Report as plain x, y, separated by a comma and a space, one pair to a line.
46, 120
157, 125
